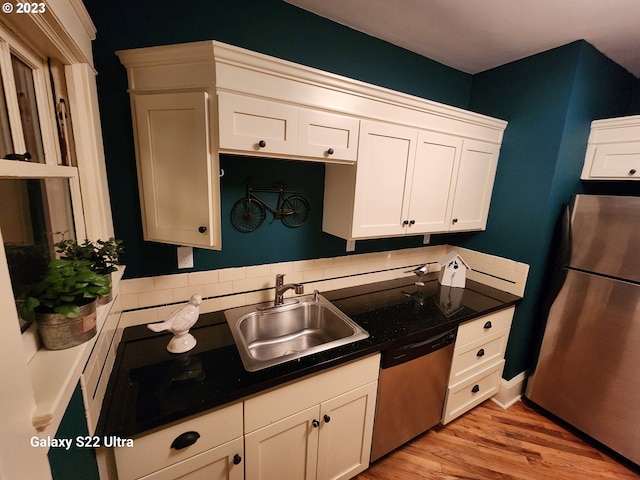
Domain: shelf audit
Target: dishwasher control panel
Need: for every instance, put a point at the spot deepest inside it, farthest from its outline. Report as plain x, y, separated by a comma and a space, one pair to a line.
418, 348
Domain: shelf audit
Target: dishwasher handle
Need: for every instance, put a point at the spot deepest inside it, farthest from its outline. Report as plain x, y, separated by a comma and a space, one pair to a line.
431, 340
409, 351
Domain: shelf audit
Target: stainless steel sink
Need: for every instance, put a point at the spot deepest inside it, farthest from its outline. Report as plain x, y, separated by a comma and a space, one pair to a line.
266, 335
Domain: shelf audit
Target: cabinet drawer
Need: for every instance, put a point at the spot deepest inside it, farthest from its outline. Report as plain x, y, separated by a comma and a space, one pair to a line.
328, 136
475, 356
616, 160
466, 395
253, 125
281, 402
153, 452
484, 326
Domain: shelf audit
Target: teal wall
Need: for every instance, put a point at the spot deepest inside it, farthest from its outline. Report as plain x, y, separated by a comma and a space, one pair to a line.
77, 463
548, 99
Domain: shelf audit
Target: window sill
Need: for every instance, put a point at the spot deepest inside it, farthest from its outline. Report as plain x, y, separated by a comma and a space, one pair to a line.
55, 373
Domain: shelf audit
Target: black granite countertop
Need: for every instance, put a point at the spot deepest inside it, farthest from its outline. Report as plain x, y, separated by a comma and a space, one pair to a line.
150, 387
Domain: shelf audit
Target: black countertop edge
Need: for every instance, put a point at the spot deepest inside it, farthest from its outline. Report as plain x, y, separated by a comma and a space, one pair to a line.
115, 418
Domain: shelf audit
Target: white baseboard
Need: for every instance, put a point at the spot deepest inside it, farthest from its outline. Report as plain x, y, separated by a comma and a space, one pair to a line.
510, 390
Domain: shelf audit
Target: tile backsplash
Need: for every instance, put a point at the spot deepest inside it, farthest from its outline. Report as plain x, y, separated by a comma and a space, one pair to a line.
232, 287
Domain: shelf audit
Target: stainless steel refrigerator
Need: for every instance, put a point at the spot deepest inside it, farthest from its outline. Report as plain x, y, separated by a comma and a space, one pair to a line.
588, 368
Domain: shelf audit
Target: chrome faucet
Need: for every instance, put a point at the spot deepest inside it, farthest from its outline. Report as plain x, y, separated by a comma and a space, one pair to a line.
281, 288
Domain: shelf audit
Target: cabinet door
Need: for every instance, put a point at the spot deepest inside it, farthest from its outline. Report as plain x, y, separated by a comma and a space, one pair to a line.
435, 166
221, 463
256, 126
177, 174
284, 450
328, 136
384, 155
474, 185
616, 160
345, 433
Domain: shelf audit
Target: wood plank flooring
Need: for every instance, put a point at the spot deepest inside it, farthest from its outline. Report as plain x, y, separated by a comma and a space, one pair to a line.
491, 443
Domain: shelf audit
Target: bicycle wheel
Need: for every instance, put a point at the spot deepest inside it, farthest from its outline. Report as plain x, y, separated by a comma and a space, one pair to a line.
295, 211
247, 215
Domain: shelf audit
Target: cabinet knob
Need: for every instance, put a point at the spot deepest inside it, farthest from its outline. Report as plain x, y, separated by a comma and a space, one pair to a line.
455, 220
185, 440
326, 418
412, 222
237, 459
488, 325
480, 353
330, 151
406, 222
315, 423
262, 144
475, 389
202, 229
632, 171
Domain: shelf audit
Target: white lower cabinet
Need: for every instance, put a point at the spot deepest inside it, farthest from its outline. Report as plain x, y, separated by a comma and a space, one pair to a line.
310, 430
478, 362
319, 427
207, 446
221, 463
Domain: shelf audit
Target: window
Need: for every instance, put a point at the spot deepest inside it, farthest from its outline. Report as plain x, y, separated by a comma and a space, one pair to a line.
39, 190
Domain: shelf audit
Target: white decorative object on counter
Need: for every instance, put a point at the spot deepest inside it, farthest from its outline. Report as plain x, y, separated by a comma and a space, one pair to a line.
179, 323
450, 300
453, 271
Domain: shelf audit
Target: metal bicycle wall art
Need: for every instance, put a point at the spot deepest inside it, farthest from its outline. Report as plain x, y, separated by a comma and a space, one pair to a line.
248, 213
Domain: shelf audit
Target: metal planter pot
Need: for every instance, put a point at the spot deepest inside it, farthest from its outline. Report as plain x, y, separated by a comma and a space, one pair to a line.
59, 332
107, 298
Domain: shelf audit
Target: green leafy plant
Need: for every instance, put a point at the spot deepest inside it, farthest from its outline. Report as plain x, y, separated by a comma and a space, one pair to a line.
67, 285
102, 255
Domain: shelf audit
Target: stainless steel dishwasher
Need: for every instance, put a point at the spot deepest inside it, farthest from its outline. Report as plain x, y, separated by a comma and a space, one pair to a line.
411, 390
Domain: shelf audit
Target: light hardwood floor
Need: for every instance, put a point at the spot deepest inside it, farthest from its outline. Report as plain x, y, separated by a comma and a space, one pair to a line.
491, 443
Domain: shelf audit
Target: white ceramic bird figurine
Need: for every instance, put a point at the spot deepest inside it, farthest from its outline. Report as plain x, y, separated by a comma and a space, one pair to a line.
420, 272
179, 323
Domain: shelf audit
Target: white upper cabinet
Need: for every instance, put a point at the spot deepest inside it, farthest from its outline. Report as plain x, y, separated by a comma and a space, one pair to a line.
435, 170
328, 136
258, 127
473, 186
613, 150
383, 183
396, 164
177, 179
410, 182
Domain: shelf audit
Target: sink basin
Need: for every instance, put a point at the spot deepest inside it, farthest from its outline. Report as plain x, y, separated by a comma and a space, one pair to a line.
266, 335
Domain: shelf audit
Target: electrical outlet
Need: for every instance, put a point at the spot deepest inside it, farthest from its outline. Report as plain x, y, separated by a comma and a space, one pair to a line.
185, 257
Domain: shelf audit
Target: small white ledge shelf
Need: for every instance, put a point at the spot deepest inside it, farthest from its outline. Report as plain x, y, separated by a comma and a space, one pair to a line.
55, 373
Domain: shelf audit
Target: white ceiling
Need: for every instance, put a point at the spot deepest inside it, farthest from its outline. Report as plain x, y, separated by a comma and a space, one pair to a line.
476, 35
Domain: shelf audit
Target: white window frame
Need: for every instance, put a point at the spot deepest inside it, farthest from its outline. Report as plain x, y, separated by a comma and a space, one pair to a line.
37, 391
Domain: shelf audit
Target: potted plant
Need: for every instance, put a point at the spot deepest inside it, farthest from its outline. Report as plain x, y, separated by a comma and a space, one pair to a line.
63, 303
102, 255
